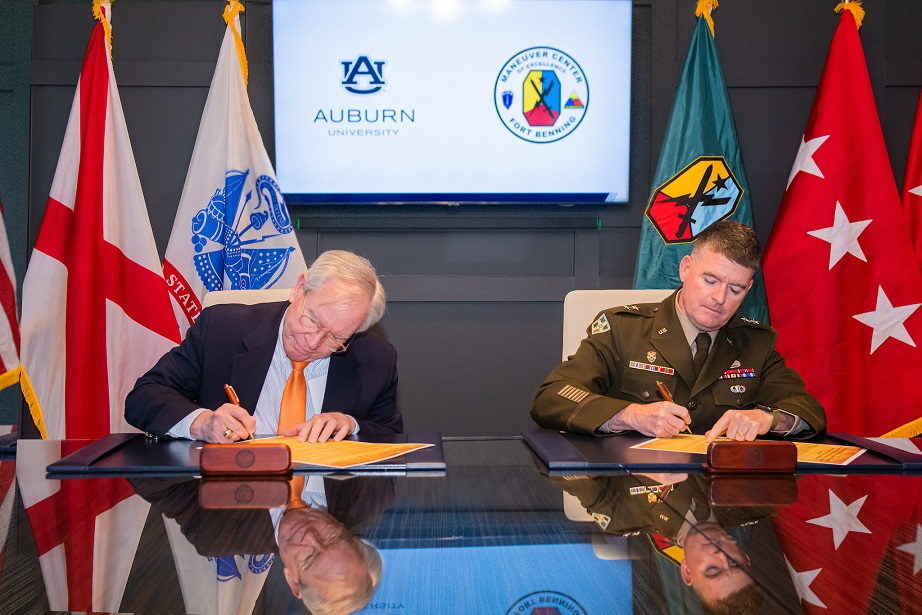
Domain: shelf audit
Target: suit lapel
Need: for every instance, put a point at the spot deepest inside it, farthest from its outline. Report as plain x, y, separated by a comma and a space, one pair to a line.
249, 368
342, 384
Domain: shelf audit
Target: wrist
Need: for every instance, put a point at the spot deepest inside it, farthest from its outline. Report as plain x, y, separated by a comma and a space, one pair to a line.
198, 426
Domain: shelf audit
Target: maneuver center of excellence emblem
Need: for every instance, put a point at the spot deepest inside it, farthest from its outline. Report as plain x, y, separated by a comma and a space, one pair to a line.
541, 94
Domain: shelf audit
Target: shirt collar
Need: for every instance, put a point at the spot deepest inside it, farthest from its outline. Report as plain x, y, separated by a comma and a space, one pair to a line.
690, 330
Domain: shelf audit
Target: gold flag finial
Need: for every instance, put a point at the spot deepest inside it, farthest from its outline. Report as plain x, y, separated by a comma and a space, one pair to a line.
101, 10
703, 9
234, 8
853, 6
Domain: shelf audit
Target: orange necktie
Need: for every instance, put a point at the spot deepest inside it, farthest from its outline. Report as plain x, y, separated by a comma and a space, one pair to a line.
294, 398
295, 487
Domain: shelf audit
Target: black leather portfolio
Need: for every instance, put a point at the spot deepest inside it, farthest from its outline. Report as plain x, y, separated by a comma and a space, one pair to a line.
125, 454
566, 453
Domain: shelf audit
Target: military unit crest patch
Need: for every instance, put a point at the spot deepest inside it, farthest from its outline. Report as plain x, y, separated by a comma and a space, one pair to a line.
601, 325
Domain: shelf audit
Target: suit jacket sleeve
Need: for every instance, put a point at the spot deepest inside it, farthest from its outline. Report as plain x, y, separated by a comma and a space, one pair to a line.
230, 343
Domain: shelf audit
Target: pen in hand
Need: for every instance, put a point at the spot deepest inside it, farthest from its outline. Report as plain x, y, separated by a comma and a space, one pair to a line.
668, 397
232, 398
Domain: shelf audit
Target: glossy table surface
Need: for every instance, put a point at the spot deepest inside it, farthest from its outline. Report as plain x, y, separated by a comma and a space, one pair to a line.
493, 534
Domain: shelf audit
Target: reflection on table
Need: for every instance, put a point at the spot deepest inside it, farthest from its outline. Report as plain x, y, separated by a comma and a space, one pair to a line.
494, 534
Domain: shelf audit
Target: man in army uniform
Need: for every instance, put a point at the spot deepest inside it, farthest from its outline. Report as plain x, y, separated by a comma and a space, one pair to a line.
721, 370
675, 511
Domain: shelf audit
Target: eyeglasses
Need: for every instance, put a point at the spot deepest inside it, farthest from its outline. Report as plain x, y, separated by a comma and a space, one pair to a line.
329, 536
310, 324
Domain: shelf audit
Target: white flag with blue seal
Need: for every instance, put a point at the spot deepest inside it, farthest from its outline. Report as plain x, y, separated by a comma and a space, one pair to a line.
228, 585
232, 230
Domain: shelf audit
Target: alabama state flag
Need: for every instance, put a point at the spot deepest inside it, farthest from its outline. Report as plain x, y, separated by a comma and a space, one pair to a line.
232, 229
96, 314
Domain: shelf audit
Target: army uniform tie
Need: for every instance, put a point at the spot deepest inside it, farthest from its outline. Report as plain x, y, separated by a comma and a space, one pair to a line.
702, 344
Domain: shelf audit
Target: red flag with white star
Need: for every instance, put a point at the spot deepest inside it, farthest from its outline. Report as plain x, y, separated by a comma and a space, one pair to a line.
844, 290
96, 312
839, 540
912, 187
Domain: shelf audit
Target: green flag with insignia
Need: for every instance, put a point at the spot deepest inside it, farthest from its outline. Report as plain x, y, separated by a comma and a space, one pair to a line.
699, 178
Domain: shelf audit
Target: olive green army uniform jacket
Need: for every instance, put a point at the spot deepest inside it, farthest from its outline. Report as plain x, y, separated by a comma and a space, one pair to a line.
629, 348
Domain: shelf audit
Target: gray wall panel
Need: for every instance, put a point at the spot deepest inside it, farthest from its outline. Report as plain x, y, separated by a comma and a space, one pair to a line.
472, 368
462, 252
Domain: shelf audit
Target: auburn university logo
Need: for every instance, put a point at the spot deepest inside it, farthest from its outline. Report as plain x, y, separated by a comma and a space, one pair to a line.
363, 76
696, 197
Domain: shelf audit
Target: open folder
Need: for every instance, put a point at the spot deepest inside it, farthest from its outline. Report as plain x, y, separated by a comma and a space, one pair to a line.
126, 454
565, 452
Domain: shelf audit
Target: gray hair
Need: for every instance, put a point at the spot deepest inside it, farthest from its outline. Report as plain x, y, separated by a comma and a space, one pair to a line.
346, 268
733, 240
361, 595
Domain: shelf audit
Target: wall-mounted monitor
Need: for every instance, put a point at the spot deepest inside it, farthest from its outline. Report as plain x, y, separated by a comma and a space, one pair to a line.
452, 101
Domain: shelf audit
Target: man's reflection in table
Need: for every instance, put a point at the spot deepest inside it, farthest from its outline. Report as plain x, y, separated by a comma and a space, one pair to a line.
716, 567
673, 509
326, 567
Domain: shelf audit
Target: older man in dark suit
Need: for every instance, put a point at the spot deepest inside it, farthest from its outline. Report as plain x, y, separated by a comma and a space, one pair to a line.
315, 347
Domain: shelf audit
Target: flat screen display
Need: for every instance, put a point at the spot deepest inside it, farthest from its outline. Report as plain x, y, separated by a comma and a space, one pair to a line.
496, 101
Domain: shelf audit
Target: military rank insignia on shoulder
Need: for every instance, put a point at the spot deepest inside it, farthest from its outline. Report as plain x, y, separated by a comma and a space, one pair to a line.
742, 321
637, 309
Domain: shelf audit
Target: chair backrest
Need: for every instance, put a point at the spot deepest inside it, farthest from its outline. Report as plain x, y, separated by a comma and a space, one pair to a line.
580, 307
248, 297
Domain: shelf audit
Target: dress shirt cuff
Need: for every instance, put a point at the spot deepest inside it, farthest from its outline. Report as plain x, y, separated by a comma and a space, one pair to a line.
357, 428
183, 429
606, 428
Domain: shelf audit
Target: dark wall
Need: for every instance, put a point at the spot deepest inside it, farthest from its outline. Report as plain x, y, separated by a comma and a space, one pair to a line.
475, 292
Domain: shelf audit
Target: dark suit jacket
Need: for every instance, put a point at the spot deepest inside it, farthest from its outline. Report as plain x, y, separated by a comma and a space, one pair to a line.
233, 344
354, 501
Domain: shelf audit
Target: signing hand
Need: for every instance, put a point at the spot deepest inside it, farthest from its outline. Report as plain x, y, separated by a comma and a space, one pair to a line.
320, 427
661, 419
228, 423
741, 425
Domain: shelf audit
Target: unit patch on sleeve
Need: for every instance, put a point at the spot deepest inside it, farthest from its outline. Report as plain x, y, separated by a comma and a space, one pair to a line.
600, 325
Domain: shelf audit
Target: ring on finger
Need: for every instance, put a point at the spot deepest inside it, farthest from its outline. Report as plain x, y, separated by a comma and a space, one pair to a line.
228, 433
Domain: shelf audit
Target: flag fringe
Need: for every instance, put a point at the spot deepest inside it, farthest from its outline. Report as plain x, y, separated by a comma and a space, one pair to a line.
855, 8
35, 409
10, 377
703, 9
100, 15
231, 11
909, 430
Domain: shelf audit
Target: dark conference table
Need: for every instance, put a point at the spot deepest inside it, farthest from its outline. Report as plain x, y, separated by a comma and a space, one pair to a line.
490, 535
